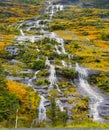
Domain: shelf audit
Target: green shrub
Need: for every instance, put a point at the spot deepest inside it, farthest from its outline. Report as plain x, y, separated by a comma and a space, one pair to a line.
105, 36
69, 73
38, 64
76, 46
101, 80
48, 46
43, 73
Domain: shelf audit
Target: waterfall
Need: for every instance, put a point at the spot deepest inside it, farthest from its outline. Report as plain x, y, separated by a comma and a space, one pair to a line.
35, 75
38, 50
53, 82
53, 35
57, 50
39, 27
30, 81
47, 62
64, 63
70, 65
37, 23
59, 103
32, 39
96, 98
52, 12
42, 109
51, 9
57, 7
61, 7
60, 40
22, 33
52, 77
29, 28
69, 56
19, 25
63, 49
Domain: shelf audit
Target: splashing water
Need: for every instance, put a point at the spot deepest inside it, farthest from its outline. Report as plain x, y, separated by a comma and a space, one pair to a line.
22, 33
60, 40
57, 50
96, 98
64, 63
30, 81
59, 103
32, 39
42, 109
52, 77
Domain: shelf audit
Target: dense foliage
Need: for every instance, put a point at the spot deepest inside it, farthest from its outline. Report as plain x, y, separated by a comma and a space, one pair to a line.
101, 80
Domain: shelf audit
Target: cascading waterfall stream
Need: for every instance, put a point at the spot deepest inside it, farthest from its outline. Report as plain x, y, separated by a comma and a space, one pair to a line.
52, 77
51, 9
22, 33
64, 63
32, 39
42, 109
59, 103
52, 12
38, 24
53, 82
61, 41
96, 98
30, 81
57, 50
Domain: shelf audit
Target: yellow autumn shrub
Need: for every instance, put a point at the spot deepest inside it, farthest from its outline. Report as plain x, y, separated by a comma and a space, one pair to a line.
29, 98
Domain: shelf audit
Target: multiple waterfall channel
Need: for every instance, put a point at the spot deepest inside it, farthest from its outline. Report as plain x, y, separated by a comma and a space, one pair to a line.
95, 98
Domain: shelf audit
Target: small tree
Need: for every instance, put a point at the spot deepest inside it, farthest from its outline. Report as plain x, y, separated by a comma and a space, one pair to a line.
54, 113
38, 64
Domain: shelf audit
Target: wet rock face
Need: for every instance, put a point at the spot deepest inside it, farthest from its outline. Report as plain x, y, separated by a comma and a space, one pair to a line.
13, 50
104, 108
99, 105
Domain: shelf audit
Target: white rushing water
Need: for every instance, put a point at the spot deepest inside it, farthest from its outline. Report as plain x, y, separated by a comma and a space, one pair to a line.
30, 81
22, 33
42, 109
96, 98
59, 104
57, 50
52, 77
32, 39
64, 63
52, 9
70, 65
37, 23
35, 75
52, 12
61, 41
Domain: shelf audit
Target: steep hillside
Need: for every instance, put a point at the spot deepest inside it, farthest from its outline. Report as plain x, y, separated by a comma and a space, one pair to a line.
54, 64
